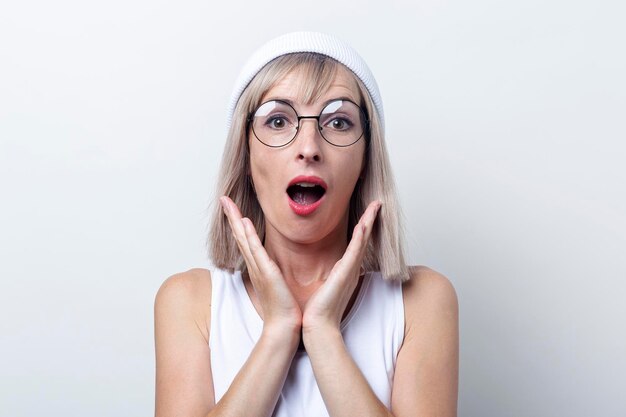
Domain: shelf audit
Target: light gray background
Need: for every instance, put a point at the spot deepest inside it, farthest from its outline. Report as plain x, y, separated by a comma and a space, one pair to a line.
506, 131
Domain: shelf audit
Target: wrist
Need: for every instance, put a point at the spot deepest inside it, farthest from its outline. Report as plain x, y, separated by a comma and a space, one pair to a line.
320, 334
281, 335
322, 326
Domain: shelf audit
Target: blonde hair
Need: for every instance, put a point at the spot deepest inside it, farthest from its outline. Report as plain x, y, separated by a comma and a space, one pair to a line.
385, 251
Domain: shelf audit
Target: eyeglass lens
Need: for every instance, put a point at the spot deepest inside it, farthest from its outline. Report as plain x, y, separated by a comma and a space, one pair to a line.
341, 123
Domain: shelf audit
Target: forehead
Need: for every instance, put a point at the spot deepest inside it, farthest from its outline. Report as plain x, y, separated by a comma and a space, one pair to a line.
290, 87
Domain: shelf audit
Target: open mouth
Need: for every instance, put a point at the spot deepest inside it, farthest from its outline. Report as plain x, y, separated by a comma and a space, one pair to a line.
305, 193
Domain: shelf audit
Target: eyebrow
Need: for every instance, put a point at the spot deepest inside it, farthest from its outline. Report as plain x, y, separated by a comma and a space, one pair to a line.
293, 104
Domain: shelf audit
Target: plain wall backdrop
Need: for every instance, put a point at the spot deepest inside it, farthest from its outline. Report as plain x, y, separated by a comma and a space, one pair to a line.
505, 126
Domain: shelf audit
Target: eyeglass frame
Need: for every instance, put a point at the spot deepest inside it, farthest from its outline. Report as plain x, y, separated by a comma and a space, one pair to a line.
366, 122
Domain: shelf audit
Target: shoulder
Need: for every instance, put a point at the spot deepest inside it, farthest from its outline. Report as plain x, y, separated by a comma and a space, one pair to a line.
429, 295
185, 286
186, 293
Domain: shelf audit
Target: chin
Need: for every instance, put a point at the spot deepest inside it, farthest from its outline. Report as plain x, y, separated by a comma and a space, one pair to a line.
304, 235
303, 229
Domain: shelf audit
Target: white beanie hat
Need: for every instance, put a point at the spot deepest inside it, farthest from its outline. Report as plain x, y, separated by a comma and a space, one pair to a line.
320, 43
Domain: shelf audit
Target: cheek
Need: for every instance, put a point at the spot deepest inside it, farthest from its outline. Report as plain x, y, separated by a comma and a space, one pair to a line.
354, 165
350, 180
348, 174
264, 174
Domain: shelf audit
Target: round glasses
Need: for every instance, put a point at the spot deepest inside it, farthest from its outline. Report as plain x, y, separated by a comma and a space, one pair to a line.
276, 123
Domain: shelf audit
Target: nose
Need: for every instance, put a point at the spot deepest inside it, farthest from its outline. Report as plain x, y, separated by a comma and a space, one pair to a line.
309, 140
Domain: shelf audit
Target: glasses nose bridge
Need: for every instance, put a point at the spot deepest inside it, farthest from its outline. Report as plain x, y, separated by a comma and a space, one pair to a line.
317, 123
317, 120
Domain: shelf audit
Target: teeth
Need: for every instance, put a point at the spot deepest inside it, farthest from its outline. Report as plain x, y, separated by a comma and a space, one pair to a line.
306, 184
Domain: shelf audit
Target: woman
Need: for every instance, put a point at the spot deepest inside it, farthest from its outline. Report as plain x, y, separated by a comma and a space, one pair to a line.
309, 309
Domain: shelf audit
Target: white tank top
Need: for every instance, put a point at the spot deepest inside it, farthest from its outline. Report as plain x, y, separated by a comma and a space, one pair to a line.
373, 332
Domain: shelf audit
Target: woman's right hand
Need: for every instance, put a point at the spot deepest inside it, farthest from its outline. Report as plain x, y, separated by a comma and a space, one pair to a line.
279, 308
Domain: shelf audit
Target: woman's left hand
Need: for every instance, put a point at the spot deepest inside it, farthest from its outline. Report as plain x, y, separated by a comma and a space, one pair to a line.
326, 307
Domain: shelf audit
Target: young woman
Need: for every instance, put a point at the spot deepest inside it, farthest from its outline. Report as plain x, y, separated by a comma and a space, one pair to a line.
309, 309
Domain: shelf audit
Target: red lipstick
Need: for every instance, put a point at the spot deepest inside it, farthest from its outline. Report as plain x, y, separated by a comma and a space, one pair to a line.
310, 178
306, 209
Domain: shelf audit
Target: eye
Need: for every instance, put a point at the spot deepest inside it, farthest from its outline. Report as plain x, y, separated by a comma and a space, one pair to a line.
339, 124
277, 122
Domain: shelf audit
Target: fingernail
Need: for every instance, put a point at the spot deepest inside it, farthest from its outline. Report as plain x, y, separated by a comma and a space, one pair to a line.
223, 203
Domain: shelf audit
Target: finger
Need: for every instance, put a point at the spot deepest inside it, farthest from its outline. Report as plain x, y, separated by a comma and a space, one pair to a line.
351, 260
234, 219
369, 218
247, 224
354, 247
263, 261
367, 222
360, 237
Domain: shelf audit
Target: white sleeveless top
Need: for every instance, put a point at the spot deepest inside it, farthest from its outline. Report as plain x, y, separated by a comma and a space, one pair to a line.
373, 332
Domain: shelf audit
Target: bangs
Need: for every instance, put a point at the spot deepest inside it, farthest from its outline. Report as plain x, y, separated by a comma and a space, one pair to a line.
316, 71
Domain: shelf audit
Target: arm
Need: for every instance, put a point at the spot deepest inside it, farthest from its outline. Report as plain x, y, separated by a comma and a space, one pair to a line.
427, 367
184, 384
426, 374
344, 389
255, 389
